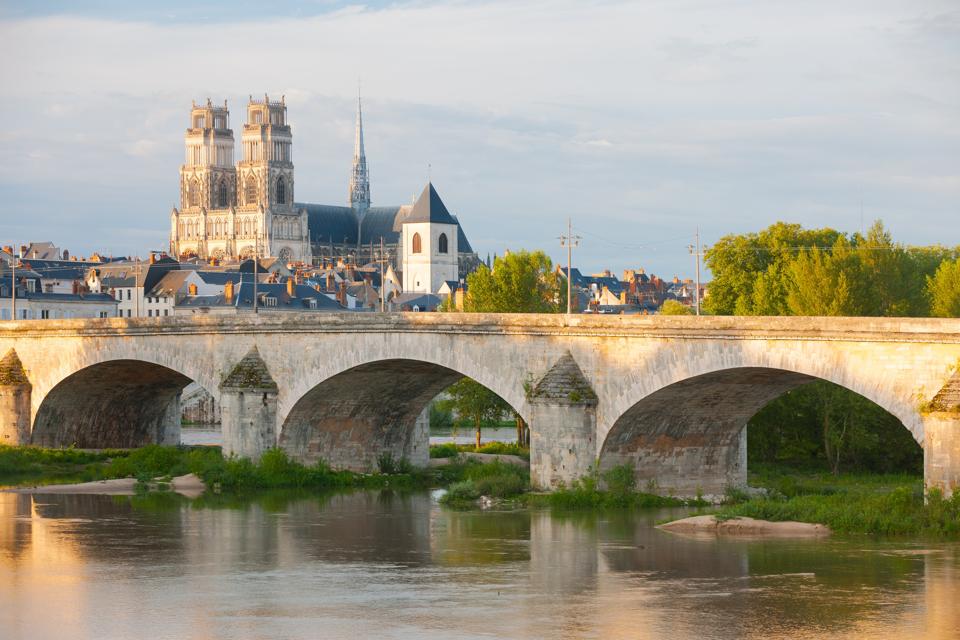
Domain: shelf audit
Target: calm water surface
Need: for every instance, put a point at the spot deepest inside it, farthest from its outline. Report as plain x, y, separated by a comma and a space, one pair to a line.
384, 565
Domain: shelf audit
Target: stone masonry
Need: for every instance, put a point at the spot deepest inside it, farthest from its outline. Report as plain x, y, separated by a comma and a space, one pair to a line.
672, 394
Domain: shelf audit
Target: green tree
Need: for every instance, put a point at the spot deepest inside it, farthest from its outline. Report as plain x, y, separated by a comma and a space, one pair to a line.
943, 290
473, 401
750, 270
822, 283
674, 308
521, 282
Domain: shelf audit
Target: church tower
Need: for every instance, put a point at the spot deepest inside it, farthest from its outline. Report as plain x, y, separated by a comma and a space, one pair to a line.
430, 251
208, 179
268, 222
359, 177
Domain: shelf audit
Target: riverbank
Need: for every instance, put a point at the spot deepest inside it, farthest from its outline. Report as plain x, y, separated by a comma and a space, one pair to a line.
872, 504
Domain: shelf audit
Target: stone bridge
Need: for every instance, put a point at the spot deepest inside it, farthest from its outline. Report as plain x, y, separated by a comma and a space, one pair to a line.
670, 395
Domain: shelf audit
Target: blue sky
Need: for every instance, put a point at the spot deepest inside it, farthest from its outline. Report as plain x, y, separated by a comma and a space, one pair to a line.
641, 121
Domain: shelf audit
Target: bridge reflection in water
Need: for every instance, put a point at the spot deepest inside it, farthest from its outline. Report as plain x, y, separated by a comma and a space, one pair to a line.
383, 564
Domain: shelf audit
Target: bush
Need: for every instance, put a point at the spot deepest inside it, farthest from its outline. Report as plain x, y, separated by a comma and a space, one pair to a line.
391, 466
621, 479
447, 450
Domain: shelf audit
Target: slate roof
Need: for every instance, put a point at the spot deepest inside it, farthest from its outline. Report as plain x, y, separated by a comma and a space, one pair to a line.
430, 208
243, 299
326, 222
423, 301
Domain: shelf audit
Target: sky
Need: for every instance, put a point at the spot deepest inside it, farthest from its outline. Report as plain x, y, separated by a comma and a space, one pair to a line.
639, 121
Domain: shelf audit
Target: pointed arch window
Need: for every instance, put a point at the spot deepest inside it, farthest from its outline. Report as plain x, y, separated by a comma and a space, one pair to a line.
442, 244
193, 194
417, 244
250, 190
281, 190
223, 199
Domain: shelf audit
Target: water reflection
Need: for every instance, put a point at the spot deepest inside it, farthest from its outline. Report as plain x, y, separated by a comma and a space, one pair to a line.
396, 565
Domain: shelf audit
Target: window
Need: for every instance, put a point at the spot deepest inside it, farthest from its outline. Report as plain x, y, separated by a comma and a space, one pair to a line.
44, 314
128, 294
166, 312
103, 314
149, 313
417, 245
222, 200
198, 122
257, 117
281, 191
442, 243
193, 195
128, 313
250, 191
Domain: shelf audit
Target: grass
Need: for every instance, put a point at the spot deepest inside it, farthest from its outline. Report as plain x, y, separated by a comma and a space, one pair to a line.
879, 505
23, 464
451, 450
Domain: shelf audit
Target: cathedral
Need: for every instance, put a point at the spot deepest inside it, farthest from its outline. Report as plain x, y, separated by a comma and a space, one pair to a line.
233, 211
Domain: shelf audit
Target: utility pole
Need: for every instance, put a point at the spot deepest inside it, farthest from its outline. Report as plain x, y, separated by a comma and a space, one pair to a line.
136, 282
697, 251
383, 259
256, 261
569, 241
13, 281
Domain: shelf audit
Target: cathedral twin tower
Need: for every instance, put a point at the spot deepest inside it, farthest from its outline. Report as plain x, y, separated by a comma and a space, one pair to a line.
232, 211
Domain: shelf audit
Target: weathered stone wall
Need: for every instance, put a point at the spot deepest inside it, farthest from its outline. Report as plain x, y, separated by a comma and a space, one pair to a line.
901, 364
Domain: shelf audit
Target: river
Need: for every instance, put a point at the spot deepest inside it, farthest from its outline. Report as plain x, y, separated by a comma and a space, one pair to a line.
375, 564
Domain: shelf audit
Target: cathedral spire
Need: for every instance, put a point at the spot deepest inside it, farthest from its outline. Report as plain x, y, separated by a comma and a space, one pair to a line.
359, 178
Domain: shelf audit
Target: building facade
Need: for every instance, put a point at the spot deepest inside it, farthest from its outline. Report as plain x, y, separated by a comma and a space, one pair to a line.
235, 211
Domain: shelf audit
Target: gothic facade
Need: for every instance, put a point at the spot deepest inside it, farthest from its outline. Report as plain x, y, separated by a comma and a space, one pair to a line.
234, 211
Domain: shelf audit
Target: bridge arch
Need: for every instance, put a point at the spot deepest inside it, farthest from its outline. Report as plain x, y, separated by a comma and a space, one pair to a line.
688, 433
350, 418
117, 403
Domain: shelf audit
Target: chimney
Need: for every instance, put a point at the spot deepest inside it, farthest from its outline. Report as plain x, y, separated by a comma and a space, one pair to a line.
66, 254
291, 287
623, 297
23, 251
153, 258
342, 294
676, 280
329, 280
192, 289
227, 290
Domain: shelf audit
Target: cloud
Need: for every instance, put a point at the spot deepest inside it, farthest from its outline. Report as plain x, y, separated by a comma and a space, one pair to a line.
634, 118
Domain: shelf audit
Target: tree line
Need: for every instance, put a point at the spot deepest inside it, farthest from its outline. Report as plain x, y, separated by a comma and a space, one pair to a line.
788, 270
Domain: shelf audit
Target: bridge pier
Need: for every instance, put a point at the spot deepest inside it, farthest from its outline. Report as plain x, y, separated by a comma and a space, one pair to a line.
248, 408
941, 452
563, 424
15, 392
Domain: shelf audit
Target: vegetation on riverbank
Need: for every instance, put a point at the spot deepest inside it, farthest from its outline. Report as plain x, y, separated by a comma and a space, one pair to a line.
873, 504
500, 480
274, 470
451, 450
21, 464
